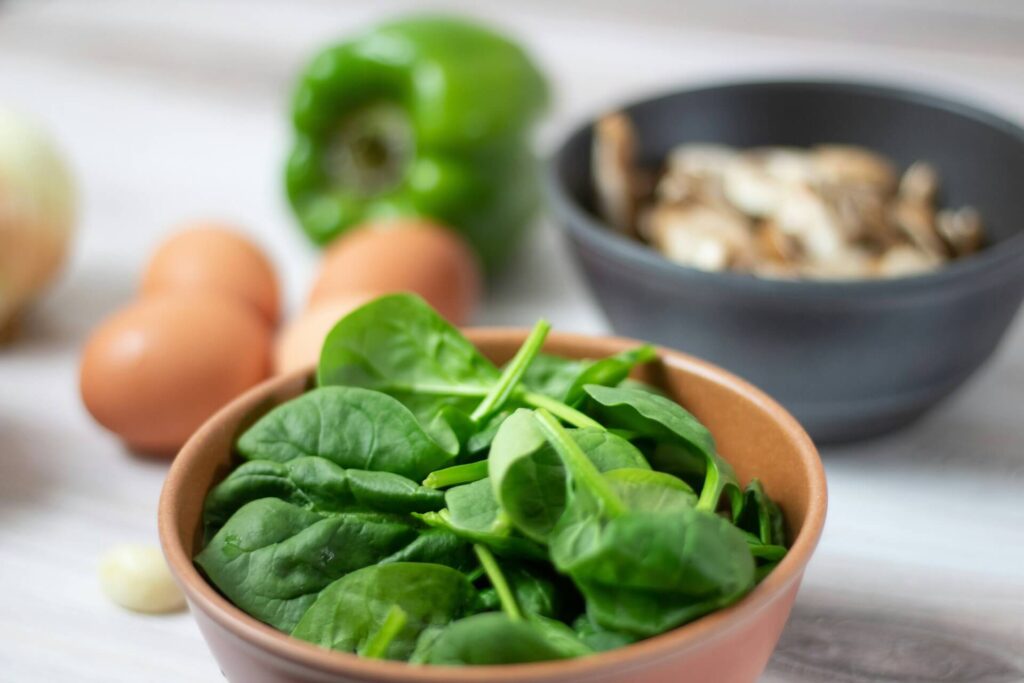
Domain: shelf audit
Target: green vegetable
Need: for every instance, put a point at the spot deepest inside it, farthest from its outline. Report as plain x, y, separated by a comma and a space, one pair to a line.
494, 638
360, 611
399, 121
642, 572
512, 373
472, 513
399, 345
349, 426
555, 492
506, 598
760, 516
529, 479
435, 546
662, 419
564, 379
316, 484
273, 558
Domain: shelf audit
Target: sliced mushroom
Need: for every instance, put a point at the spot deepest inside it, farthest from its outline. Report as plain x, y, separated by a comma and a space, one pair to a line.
788, 165
775, 246
701, 159
847, 263
749, 187
917, 223
961, 230
920, 183
850, 165
904, 260
614, 154
862, 216
704, 237
804, 215
694, 173
834, 211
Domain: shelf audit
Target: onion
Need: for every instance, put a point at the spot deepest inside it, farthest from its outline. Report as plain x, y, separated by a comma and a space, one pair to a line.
36, 215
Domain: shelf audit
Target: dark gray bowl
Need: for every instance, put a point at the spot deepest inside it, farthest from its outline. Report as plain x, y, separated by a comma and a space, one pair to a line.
849, 359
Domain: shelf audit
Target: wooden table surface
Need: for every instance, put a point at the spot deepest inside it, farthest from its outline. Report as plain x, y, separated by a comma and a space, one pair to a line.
178, 110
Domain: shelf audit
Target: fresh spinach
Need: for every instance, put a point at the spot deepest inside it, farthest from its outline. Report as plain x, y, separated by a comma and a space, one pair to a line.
564, 379
349, 614
272, 558
528, 476
642, 572
662, 419
399, 345
473, 513
316, 484
760, 516
554, 492
352, 427
494, 638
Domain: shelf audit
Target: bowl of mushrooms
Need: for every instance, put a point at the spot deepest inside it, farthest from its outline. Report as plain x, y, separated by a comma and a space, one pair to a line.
856, 250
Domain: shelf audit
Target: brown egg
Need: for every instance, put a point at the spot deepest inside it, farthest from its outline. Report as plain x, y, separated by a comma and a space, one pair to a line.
298, 343
211, 257
403, 255
155, 371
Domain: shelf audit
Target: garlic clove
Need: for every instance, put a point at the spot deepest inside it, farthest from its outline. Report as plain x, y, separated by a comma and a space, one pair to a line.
136, 577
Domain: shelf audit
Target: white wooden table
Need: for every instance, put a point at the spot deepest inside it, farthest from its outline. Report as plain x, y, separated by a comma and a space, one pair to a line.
177, 110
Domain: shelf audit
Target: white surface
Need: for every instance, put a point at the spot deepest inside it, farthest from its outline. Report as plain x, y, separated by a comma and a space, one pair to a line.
181, 113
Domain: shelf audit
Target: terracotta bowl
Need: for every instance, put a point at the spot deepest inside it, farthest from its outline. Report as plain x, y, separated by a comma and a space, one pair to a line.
730, 646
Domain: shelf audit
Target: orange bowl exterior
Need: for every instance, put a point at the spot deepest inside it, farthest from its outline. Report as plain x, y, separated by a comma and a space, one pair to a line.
729, 646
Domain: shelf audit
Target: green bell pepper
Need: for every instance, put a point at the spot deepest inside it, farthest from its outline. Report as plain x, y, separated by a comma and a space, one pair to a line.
427, 117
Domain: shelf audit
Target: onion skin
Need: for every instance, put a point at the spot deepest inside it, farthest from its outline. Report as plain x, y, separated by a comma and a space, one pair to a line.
37, 209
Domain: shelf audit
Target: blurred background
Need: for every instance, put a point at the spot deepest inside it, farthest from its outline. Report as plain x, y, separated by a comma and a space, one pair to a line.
178, 109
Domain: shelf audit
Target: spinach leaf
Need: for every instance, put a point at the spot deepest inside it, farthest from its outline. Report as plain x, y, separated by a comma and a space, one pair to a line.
272, 558
663, 419
472, 513
649, 491
494, 638
512, 373
528, 475
599, 639
644, 573
354, 428
760, 516
538, 590
350, 612
316, 484
609, 372
563, 379
399, 345
436, 546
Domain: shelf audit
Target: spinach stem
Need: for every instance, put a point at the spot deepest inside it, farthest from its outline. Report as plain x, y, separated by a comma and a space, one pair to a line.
377, 646
712, 489
494, 574
578, 465
456, 474
513, 372
562, 411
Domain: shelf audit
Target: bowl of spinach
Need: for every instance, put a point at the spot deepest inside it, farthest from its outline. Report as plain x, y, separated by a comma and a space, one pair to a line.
436, 505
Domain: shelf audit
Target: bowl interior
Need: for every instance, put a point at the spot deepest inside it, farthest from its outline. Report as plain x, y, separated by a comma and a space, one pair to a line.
979, 157
756, 435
